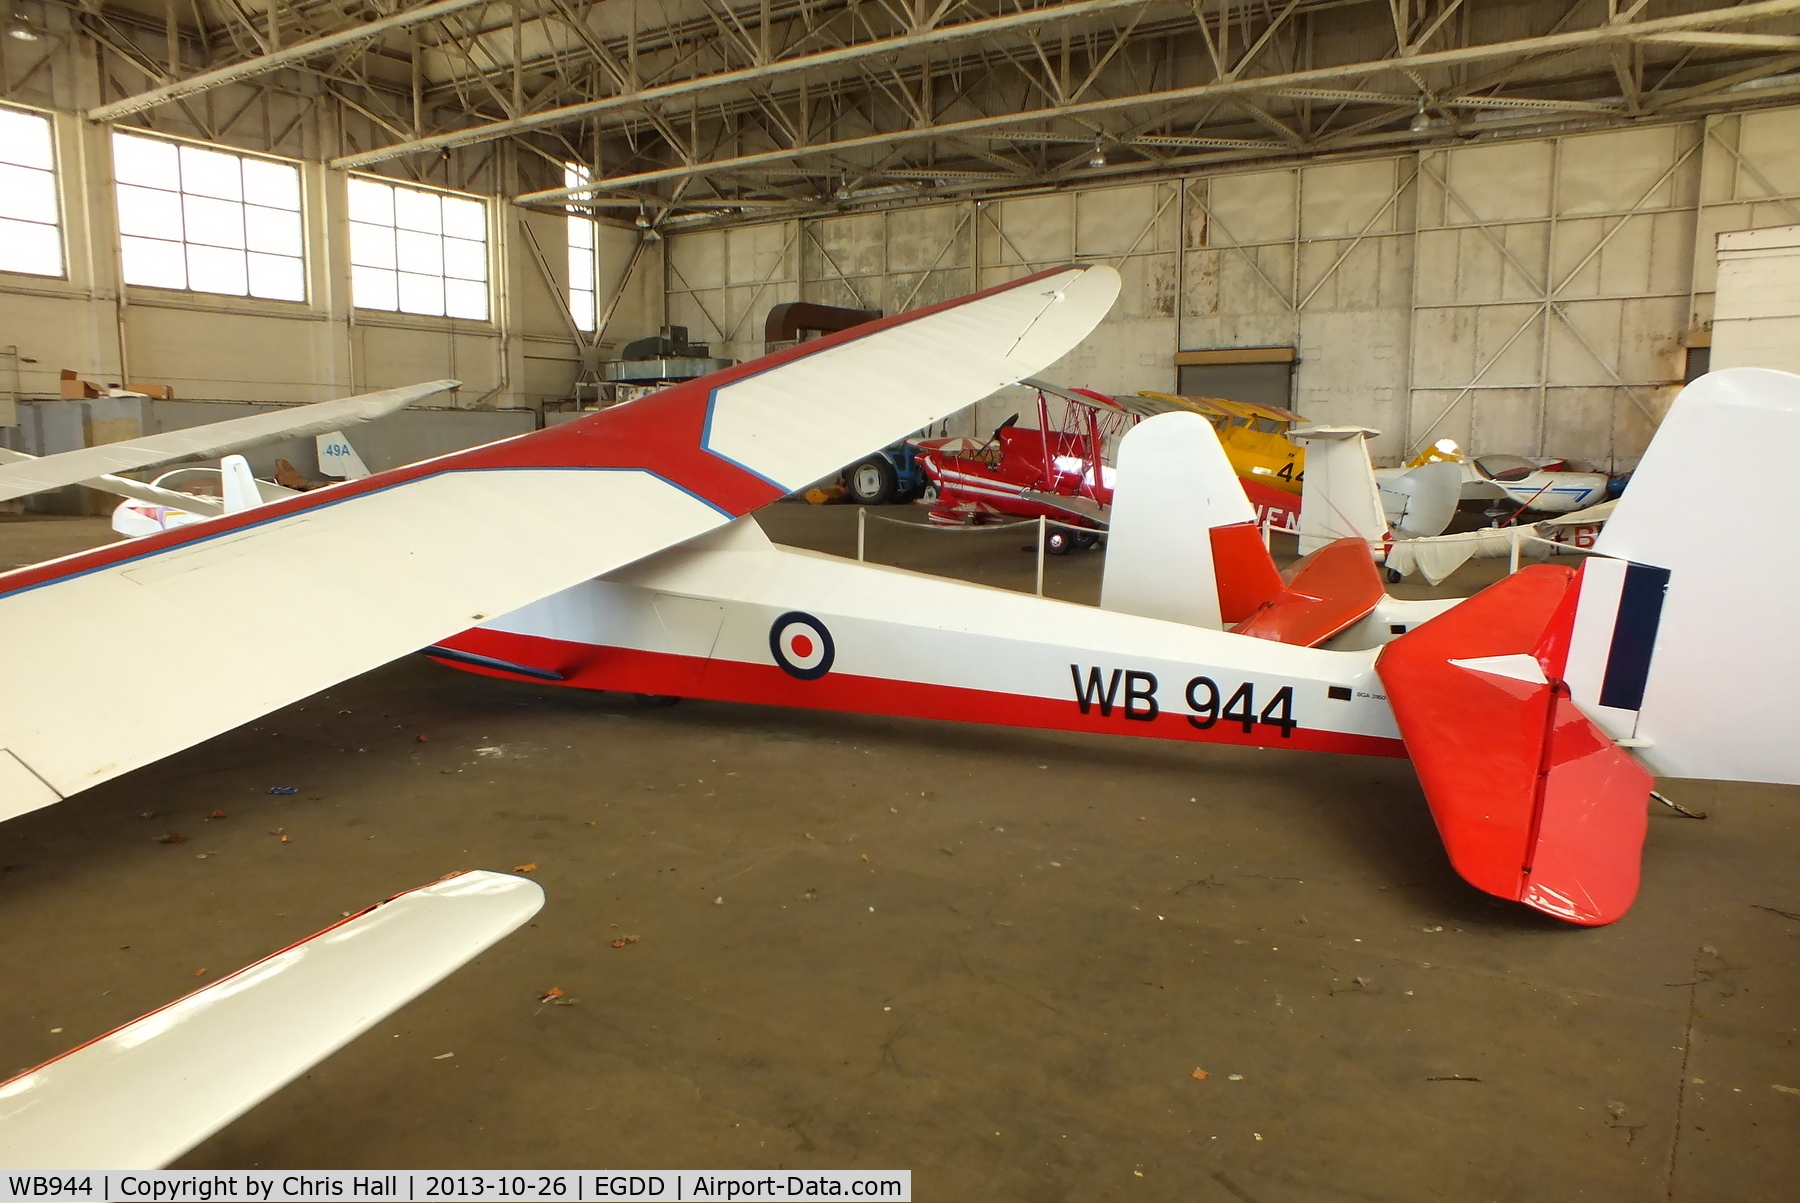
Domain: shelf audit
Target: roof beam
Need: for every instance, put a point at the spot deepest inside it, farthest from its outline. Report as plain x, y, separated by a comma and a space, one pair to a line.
262, 64
1575, 39
985, 27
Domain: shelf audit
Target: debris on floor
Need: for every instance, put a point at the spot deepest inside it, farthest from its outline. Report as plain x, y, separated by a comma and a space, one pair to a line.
282, 791
622, 941
1200, 1075
174, 837
526, 868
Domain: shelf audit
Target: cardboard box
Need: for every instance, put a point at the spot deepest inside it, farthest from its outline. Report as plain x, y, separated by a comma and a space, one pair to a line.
74, 388
156, 392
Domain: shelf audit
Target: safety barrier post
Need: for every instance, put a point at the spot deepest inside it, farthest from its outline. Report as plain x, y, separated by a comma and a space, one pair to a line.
862, 526
1043, 528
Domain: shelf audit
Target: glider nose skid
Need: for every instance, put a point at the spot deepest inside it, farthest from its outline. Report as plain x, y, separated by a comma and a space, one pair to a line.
1532, 800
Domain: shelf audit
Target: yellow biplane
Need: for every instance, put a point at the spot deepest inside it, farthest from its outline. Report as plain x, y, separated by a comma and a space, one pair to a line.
1255, 437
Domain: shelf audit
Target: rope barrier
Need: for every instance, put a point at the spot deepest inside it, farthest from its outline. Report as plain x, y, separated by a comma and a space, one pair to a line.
985, 527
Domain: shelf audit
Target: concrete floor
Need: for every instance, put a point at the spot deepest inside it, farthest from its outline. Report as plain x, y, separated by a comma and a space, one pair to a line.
993, 957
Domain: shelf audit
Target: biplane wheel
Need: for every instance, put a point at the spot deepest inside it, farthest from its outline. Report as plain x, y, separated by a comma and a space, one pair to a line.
872, 481
1059, 542
655, 701
1086, 541
929, 492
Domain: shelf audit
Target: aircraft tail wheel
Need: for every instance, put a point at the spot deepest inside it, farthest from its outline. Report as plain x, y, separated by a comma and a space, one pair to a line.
655, 701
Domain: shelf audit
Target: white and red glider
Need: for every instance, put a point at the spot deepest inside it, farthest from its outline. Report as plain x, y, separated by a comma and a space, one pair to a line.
1535, 712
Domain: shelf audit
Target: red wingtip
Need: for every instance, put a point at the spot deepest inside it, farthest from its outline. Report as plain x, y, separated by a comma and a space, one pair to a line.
1534, 803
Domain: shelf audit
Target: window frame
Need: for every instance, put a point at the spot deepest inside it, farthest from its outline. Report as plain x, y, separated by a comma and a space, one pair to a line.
489, 246
246, 298
577, 174
56, 191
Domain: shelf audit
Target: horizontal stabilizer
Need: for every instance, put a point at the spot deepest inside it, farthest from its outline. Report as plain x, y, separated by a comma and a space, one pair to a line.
142, 1095
1323, 594
201, 442
1533, 801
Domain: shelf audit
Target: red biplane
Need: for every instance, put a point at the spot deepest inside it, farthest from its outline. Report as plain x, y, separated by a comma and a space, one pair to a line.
1058, 470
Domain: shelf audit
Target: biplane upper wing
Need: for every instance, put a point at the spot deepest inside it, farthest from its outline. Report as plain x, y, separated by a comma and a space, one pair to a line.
25, 476
301, 593
143, 1094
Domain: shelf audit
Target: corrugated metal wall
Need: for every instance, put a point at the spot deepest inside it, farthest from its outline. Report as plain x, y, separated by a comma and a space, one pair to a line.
1535, 296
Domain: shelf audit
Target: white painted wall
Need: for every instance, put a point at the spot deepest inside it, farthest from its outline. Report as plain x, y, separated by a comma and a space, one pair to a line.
1533, 296
1756, 314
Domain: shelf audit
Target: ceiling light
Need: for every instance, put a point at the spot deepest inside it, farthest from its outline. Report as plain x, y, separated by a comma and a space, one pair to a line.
19, 28
1098, 158
1421, 121
643, 221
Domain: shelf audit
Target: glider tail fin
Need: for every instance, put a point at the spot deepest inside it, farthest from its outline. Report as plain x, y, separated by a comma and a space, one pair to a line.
1423, 501
238, 484
1685, 643
1339, 498
338, 459
1183, 543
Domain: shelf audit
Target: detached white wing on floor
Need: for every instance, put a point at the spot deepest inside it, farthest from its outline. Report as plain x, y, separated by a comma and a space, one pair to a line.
24, 476
265, 607
142, 1095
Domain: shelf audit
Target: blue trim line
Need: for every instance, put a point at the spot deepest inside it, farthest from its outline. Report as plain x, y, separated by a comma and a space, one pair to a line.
323, 505
712, 397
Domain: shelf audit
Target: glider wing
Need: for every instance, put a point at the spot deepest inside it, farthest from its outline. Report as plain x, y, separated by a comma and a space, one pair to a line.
305, 592
142, 1095
197, 442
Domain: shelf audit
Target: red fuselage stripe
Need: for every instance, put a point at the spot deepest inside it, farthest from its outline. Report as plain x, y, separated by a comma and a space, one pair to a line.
628, 670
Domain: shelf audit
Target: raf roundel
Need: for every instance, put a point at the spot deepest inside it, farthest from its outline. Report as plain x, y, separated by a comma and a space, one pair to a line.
801, 645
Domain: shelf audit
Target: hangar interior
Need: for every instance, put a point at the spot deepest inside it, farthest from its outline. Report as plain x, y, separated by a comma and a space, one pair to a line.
1514, 225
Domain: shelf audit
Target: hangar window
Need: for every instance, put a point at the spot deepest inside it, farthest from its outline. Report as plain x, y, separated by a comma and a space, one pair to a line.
414, 251
584, 262
206, 220
30, 238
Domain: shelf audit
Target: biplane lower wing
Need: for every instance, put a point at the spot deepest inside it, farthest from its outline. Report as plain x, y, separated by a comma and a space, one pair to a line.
299, 594
1533, 801
143, 1094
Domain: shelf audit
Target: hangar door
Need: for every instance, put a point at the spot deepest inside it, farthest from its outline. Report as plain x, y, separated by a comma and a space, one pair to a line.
1264, 375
